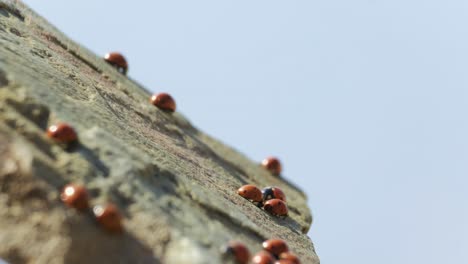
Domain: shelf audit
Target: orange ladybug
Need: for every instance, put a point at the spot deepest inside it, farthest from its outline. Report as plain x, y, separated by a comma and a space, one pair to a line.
238, 251
75, 196
62, 133
273, 165
293, 259
251, 193
164, 102
276, 207
284, 261
118, 61
109, 218
275, 246
263, 257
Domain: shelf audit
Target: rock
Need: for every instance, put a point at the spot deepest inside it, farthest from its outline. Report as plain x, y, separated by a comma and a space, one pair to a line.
175, 186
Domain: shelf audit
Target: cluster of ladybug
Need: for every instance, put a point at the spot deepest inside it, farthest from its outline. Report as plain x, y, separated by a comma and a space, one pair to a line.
76, 196
275, 251
108, 216
272, 199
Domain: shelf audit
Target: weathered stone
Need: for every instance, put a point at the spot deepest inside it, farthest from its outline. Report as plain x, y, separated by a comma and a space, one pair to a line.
175, 186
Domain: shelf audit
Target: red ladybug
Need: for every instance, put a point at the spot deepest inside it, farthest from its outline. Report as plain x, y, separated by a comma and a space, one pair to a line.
273, 193
62, 133
118, 61
273, 165
238, 251
284, 261
109, 218
275, 246
250, 192
164, 102
263, 257
276, 207
75, 196
293, 259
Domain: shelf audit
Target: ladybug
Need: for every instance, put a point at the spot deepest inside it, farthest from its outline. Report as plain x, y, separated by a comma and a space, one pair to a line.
284, 261
293, 259
118, 61
275, 246
237, 251
273, 165
109, 218
273, 193
75, 196
276, 207
62, 133
164, 102
263, 257
251, 193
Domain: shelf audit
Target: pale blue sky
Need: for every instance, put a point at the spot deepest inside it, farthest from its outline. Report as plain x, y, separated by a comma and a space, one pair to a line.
365, 102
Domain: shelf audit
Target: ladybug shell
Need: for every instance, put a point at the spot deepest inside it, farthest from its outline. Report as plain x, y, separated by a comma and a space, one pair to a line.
273, 193
276, 207
250, 192
75, 196
118, 61
288, 256
239, 252
273, 165
275, 246
62, 133
164, 102
109, 218
263, 257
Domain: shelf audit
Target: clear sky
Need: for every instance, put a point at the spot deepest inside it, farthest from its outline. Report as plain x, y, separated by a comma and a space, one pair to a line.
364, 101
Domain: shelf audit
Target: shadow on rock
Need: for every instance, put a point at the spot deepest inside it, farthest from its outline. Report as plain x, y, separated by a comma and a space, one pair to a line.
93, 245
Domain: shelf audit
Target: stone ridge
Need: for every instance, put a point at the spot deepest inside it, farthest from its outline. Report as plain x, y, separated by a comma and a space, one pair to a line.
175, 185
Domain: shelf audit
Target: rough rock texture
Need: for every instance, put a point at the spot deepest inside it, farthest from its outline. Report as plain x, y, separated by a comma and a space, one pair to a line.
175, 185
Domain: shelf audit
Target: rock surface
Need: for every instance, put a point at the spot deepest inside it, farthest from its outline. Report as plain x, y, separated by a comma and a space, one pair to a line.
175, 186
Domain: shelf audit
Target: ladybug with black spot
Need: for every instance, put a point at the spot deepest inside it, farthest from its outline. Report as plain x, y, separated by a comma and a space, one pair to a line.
275, 246
251, 193
269, 193
238, 252
276, 207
